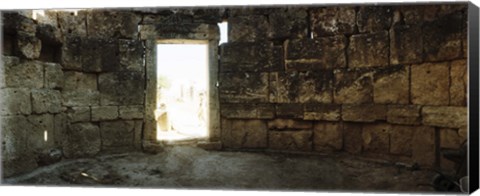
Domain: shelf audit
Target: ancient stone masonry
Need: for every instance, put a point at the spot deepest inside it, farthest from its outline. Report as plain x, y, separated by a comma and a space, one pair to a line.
379, 81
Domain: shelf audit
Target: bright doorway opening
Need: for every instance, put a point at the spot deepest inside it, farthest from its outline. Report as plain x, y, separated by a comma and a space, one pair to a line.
182, 90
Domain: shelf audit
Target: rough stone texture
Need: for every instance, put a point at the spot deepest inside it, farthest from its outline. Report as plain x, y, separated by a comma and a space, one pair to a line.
290, 140
54, 77
131, 112
82, 140
445, 116
288, 23
363, 113
330, 112
14, 136
247, 56
352, 138
44, 101
131, 55
401, 140
28, 46
442, 37
451, 138
406, 46
75, 81
126, 91
353, 87
78, 114
244, 134
458, 83
118, 133
280, 124
243, 87
247, 111
15, 101
71, 24
376, 138
374, 18
315, 54
423, 146
60, 128
368, 50
94, 61
391, 85
247, 28
70, 58
327, 136
430, 84
100, 113
333, 21
28, 74
118, 24
289, 110
303, 87
81, 98
39, 124
404, 114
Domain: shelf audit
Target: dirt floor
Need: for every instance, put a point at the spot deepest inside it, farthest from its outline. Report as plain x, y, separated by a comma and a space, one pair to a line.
194, 168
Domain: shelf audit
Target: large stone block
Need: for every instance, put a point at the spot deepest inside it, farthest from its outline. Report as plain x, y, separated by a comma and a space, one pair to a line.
72, 24
353, 87
318, 53
243, 87
244, 134
374, 18
401, 140
60, 128
7, 61
280, 124
28, 74
118, 133
75, 81
329, 112
327, 136
44, 101
54, 77
451, 138
247, 28
352, 138
333, 21
369, 50
404, 114
364, 113
458, 83
290, 140
118, 24
287, 23
121, 88
247, 111
442, 37
423, 146
28, 46
194, 31
14, 136
106, 60
289, 110
131, 55
81, 98
376, 138
406, 46
445, 116
41, 133
247, 56
101, 113
82, 140
391, 85
49, 34
78, 114
15, 101
131, 112
71, 58
430, 84
302, 87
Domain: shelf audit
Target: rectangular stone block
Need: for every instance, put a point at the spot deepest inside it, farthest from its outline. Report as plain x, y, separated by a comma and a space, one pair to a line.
401, 140
450, 138
364, 113
60, 128
290, 140
247, 111
289, 110
376, 138
243, 87
131, 112
244, 133
316, 54
81, 98
327, 136
391, 85
247, 28
430, 84
15, 101
14, 136
131, 55
121, 88
287, 23
246, 56
458, 83
75, 81
329, 112
137, 140
302, 87
194, 31
54, 77
28, 74
280, 124
82, 140
101, 113
71, 24
353, 87
103, 23
406, 46
445, 116
8, 61
70, 58
442, 37
78, 114
423, 146
27, 46
404, 114
335, 20
352, 138
117, 133
44, 101
41, 133
374, 18
94, 61
369, 50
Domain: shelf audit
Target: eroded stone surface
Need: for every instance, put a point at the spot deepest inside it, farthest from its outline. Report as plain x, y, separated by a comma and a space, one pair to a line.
122, 24
290, 140
401, 140
458, 83
41, 133
243, 87
328, 137
369, 50
79, 114
53, 76
248, 111
391, 85
333, 20
83, 140
406, 46
247, 56
28, 74
44, 101
442, 37
100, 113
430, 84
376, 138
352, 138
363, 113
423, 146
126, 91
445, 116
118, 133
318, 53
353, 87
288, 23
322, 112
374, 18
244, 133
404, 114
281, 124
15, 101
247, 28
131, 112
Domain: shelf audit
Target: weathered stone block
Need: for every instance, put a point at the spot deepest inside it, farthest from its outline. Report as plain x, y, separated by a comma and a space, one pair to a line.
15, 101
131, 55
41, 133
94, 61
81, 98
18, 22
368, 50
18, 165
423, 146
374, 18
78, 114
70, 58
83, 140
244, 133
119, 24
246, 56
28, 74
391, 85
247, 111
404, 114
75, 81
289, 110
353, 87
458, 83
288, 23
327, 137
290, 140
303, 87
193, 31
60, 128
49, 33
14, 136
28, 46
8, 63
44, 101
100, 113
412, 14
376, 138
247, 28
430, 84
352, 138
363, 113
243, 87
131, 112
401, 140
445, 116
54, 77
72, 24
118, 133
128, 88
450, 138
406, 46
322, 112
333, 21
289, 124
308, 54
442, 37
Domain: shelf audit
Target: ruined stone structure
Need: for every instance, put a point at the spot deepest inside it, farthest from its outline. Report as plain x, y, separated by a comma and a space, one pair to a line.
387, 82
